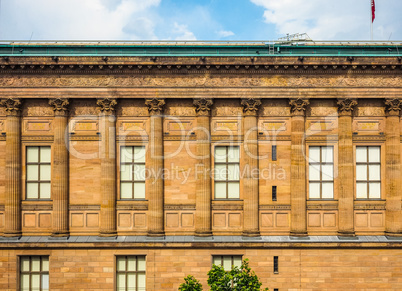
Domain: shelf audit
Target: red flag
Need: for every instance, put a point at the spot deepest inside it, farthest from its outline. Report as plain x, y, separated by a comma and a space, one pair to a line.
372, 10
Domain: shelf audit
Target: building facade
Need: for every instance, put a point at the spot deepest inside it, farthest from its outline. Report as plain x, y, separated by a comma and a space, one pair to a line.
130, 166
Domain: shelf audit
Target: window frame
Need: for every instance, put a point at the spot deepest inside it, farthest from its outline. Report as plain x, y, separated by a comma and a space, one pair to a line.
368, 181
116, 272
231, 258
132, 181
30, 273
39, 163
320, 163
226, 163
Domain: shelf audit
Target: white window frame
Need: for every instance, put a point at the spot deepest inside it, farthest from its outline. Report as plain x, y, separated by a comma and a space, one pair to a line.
225, 260
325, 177
138, 177
221, 173
40, 164
41, 272
368, 164
124, 273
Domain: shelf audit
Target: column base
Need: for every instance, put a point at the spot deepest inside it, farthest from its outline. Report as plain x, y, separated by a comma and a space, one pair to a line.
298, 233
60, 234
155, 233
251, 233
203, 233
108, 234
393, 234
12, 234
346, 233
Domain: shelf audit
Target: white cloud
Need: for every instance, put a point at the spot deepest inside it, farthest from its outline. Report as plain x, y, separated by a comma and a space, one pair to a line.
181, 32
225, 33
329, 19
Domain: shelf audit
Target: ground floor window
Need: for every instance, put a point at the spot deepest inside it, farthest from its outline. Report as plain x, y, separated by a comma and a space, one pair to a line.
228, 262
34, 273
130, 273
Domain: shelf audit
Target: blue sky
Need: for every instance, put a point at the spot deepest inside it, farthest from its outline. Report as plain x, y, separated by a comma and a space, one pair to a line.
197, 20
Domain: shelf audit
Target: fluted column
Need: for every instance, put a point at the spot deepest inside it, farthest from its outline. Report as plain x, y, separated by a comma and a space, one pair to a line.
155, 168
250, 160
298, 197
345, 167
393, 214
60, 175
108, 166
13, 167
203, 172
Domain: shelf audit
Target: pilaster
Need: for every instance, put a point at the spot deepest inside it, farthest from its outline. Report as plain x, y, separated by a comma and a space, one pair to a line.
107, 153
203, 178
250, 161
155, 167
13, 167
60, 171
345, 167
298, 197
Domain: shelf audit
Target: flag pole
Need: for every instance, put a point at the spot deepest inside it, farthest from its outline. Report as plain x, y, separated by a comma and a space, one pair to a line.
371, 19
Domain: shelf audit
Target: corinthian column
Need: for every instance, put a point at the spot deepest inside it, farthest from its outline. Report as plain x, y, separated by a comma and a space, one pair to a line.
250, 160
393, 214
108, 166
298, 226
155, 168
203, 179
13, 167
345, 167
60, 173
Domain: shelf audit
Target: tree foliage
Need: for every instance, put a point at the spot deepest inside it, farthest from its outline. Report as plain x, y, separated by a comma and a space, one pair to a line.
190, 284
237, 279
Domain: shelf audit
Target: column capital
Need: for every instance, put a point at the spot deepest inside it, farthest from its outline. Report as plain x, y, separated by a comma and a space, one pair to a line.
393, 106
60, 105
106, 105
203, 106
298, 106
250, 106
346, 106
155, 105
12, 105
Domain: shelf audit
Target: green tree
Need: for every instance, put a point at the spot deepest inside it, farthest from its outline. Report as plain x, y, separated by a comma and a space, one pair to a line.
237, 279
190, 284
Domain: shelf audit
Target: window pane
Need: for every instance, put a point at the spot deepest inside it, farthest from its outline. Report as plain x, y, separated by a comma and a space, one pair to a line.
45, 282
374, 154
374, 172
131, 282
24, 264
45, 264
361, 172
327, 172
32, 190
125, 173
220, 154
45, 172
121, 282
234, 154
227, 263
139, 172
32, 173
314, 154
139, 190
233, 172
375, 190
44, 191
361, 154
141, 263
314, 190
126, 154
314, 172
32, 154
237, 261
35, 283
361, 190
126, 190
327, 154
217, 260
233, 190
139, 154
131, 264
121, 263
328, 190
220, 190
25, 282
141, 282
220, 172
35, 264
45, 155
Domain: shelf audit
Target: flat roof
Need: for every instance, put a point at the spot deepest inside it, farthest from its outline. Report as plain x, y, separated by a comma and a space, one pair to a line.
200, 48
